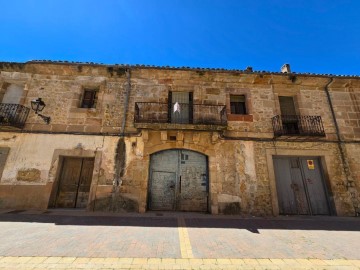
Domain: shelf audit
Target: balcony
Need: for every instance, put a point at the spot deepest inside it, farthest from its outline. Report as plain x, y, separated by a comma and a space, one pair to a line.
296, 125
157, 115
13, 115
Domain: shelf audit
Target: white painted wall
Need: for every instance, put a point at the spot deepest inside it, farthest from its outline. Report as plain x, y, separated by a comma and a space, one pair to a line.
37, 150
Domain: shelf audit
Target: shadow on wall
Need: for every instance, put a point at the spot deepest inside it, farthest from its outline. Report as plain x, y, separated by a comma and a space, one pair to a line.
116, 203
230, 208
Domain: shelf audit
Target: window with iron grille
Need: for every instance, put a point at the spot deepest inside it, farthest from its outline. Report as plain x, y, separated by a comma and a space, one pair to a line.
237, 104
89, 98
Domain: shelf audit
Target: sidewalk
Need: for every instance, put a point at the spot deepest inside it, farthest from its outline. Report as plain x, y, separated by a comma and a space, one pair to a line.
157, 263
59, 239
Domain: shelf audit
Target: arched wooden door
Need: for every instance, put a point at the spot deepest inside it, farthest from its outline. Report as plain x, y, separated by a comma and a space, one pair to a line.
178, 181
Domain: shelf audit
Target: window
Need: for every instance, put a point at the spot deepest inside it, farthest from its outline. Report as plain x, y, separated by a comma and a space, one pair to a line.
13, 94
287, 105
4, 151
237, 104
180, 107
289, 118
89, 98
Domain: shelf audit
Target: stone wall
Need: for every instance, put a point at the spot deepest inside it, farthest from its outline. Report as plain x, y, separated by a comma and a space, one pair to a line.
61, 87
238, 171
347, 110
241, 173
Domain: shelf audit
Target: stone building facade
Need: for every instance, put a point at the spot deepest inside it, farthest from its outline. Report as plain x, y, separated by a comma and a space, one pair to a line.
139, 138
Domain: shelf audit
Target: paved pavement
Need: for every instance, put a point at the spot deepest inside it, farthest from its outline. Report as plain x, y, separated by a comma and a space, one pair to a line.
87, 240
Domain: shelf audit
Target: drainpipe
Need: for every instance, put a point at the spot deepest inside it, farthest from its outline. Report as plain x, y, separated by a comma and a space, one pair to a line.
127, 97
349, 181
120, 148
332, 108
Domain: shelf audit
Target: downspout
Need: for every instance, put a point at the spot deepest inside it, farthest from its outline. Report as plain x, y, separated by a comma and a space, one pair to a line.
120, 154
349, 181
127, 97
332, 109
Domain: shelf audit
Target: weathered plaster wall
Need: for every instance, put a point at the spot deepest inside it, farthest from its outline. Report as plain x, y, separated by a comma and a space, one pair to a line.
353, 158
33, 160
236, 177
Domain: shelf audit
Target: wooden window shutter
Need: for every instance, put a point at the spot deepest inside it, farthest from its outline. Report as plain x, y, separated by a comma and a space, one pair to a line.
191, 108
169, 106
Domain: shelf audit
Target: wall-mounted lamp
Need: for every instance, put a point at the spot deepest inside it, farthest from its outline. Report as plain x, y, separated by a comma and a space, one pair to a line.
38, 105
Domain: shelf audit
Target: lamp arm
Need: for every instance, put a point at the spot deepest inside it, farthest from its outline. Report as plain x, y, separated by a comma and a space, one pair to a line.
47, 119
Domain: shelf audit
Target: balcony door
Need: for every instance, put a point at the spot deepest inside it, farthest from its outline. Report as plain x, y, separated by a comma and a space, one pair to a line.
13, 94
180, 107
11, 113
289, 118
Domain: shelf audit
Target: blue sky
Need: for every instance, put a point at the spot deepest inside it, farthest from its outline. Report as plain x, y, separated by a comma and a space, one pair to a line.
313, 36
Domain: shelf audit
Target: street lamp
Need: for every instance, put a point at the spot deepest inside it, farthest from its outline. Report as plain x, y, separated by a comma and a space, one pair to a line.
38, 105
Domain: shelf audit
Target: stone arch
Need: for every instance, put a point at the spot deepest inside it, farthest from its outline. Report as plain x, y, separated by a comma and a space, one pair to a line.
201, 149
179, 148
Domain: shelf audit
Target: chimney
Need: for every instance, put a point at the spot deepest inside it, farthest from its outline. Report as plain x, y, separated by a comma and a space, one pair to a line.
285, 68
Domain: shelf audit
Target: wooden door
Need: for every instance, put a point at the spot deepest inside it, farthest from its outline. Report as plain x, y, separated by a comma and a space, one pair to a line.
193, 184
84, 183
178, 181
74, 182
290, 187
162, 190
300, 186
315, 185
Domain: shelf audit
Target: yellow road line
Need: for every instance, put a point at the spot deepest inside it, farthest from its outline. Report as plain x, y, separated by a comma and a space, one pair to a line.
185, 245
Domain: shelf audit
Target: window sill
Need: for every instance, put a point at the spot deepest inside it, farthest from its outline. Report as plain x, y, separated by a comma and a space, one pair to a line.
82, 110
240, 117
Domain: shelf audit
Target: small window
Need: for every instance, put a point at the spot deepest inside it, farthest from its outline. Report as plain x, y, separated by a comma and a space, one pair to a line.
89, 98
237, 104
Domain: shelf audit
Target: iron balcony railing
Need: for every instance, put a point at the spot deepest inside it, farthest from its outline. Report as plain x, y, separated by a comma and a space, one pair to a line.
14, 115
293, 125
180, 113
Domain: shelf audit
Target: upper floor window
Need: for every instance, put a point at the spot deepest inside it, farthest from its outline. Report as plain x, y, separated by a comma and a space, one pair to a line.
180, 107
89, 98
13, 94
290, 122
287, 105
237, 104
